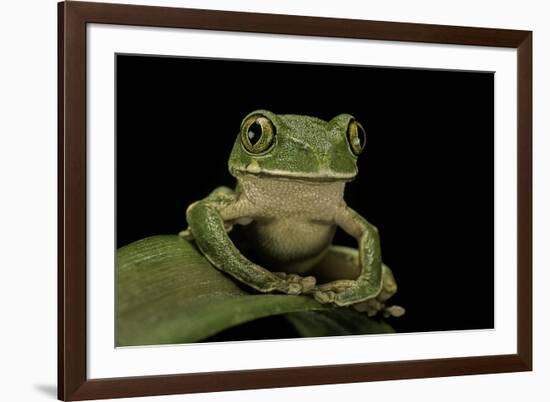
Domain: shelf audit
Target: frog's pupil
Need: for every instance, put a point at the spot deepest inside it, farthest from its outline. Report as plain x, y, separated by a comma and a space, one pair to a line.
254, 133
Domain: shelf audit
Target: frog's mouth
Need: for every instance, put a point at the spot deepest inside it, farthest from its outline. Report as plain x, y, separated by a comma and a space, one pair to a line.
321, 176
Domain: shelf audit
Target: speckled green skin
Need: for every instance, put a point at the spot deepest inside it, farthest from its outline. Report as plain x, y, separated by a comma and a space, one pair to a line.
289, 201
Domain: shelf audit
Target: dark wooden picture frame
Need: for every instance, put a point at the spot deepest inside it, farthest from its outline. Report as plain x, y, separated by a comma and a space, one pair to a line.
73, 382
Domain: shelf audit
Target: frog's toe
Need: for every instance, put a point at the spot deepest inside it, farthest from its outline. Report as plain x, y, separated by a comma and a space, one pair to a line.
371, 307
374, 306
308, 284
186, 234
324, 297
347, 296
294, 289
393, 311
297, 284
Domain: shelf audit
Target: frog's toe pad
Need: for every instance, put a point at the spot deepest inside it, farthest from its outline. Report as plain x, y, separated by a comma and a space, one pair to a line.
324, 297
294, 289
371, 307
296, 283
308, 284
186, 234
394, 311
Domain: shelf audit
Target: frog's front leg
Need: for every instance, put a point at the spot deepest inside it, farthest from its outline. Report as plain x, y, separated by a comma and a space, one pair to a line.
207, 220
369, 282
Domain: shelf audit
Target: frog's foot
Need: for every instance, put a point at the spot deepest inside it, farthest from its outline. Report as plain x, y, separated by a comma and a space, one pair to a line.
347, 292
328, 292
296, 284
374, 306
324, 296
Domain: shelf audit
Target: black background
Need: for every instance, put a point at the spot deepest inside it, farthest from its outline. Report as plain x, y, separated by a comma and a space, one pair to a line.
425, 180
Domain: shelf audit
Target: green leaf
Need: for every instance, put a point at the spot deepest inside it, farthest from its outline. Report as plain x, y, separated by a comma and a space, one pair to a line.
168, 293
337, 321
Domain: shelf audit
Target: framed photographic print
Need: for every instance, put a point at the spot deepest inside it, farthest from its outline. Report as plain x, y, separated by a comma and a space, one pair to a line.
253, 200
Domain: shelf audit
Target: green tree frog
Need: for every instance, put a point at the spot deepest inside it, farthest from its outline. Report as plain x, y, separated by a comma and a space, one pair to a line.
291, 171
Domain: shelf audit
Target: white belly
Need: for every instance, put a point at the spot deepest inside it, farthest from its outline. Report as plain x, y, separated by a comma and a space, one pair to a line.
292, 226
292, 246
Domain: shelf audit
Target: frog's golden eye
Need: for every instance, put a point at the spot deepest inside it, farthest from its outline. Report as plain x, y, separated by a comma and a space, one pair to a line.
356, 137
257, 134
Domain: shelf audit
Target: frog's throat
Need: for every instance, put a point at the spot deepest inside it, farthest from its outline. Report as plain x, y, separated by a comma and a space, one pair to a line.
301, 176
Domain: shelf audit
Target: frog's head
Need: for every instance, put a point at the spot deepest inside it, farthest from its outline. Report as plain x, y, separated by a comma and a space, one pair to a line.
300, 147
